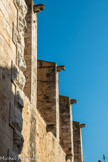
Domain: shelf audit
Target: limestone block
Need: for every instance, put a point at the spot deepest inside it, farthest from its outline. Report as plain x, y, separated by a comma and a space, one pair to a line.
20, 58
21, 63
18, 141
22, 7
15, 35
21, 23
18, 39
20, 98
21, 35
18, 77
18, 33
15, 117
18, 36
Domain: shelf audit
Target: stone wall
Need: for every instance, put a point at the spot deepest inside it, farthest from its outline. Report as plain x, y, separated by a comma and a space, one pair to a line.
12, 82
31, 117
48, 148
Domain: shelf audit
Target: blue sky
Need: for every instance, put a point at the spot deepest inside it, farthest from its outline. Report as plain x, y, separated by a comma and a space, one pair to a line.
74, 33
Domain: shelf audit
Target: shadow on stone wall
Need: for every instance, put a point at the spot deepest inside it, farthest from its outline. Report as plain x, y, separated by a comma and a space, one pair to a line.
11, 122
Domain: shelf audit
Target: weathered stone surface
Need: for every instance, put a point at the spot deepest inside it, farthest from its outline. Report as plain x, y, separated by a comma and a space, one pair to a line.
32, 152
22, 26
18, 33
20, 58
18, 122
77, 136
18, 77
15, 117
16, 36
26, 131
6, 133
11, 115
21, 5
13, 157
38, 8
48, 149
17, 141
30, 53
47, 94
19, 98
18, 39
5, 93
66, 127
10, 37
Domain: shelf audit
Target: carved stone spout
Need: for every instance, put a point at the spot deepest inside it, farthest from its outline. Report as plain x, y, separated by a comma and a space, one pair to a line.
60, 68
82, 125
38, 8
73, 101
